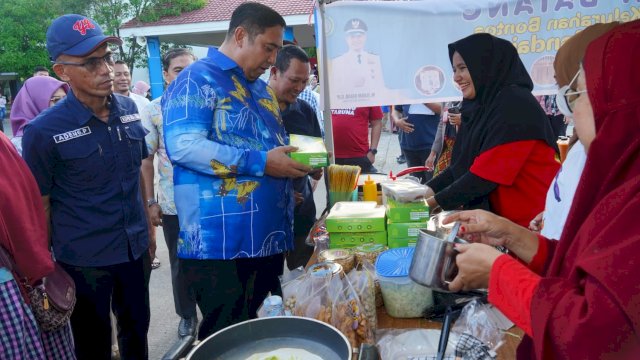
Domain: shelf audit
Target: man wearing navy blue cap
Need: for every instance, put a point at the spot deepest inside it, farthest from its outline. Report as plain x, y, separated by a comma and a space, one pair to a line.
85, 154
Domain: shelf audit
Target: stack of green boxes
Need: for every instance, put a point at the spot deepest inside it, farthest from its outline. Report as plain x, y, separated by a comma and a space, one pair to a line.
354, 223
404, 219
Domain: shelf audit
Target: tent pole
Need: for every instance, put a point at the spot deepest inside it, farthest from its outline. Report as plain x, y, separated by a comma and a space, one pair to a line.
324, 83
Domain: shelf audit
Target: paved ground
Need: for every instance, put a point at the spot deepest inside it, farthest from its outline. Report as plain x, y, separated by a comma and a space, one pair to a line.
7, 126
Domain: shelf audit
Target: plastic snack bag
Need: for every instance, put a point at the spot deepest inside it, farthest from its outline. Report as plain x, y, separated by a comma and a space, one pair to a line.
318, 231
363, 283
412, 344
479, 335
348, 314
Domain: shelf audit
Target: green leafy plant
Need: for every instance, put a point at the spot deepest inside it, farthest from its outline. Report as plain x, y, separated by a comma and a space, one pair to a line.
170, 8
24, 24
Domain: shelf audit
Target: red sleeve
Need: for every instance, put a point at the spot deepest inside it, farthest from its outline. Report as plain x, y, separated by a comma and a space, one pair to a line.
502, 163
539, 260
375, 113
523, 171
511, 289
23, 229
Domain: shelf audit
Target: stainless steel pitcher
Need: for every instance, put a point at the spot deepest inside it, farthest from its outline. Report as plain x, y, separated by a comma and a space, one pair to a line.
434, 261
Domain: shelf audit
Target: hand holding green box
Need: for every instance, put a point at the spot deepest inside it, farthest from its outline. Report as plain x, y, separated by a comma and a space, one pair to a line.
311, 150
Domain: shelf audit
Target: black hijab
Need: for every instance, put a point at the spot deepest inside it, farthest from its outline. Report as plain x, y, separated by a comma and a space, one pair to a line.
504, 110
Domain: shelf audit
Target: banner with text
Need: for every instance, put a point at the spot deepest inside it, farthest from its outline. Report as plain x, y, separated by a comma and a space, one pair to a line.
395, 52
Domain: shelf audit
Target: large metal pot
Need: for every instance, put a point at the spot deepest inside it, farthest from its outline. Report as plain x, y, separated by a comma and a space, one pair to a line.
240, 341
434, 261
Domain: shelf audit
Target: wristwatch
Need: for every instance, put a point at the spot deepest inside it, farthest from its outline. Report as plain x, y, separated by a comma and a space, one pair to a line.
373, 151
151, 202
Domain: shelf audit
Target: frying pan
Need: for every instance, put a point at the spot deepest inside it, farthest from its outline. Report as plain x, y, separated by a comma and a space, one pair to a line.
240, 341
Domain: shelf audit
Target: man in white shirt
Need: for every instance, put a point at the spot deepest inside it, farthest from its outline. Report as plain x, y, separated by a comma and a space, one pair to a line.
357, 71
122, 84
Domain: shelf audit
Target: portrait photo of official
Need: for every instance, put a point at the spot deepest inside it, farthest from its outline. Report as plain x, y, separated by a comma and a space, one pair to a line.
356, 70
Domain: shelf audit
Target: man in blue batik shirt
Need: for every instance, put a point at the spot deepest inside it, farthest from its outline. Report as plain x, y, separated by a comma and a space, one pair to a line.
232, 173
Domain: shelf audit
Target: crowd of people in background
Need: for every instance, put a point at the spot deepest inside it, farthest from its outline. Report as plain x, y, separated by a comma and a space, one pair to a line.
79, 183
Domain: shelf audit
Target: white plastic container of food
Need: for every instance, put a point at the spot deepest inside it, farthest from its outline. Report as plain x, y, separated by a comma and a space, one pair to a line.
403, 298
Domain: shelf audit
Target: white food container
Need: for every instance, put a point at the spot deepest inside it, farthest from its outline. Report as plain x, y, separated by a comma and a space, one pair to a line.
403, 298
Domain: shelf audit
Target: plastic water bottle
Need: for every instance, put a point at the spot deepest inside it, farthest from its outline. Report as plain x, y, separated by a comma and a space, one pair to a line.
273, 306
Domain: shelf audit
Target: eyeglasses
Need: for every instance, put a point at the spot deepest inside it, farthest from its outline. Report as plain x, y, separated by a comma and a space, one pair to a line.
92, 64
567, 97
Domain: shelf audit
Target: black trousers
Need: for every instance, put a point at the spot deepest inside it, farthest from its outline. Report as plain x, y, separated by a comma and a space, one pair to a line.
300, 254
260, 276
417, 158
183, 299
230, 291
122, 288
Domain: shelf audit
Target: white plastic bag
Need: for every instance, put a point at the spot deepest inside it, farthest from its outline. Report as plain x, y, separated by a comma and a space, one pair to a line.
479, 335
412, 344
403, 190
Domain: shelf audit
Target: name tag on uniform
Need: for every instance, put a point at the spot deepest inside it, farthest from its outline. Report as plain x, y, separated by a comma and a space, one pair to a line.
129, 118
69, 135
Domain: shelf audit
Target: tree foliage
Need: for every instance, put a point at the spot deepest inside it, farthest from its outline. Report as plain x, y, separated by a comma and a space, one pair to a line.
111, 14
24, 23
169, 8
23, 27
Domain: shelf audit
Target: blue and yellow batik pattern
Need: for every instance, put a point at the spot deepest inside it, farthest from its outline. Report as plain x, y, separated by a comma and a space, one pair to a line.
218, 128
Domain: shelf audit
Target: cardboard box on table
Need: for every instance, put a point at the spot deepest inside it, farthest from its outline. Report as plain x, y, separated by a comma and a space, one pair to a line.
340, 240
354, 223
399, 212
403, 234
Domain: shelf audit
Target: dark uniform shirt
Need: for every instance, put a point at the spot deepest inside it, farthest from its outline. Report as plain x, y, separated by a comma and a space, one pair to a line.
91, 171
300, 118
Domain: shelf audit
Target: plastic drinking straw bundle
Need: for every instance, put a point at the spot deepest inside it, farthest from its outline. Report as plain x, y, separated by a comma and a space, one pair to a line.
343, 179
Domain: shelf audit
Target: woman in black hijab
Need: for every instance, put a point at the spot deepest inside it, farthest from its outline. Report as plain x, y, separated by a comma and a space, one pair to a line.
504, 156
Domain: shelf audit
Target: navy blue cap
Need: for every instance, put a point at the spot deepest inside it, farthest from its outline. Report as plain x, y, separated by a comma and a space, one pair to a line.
355, 25
75, 35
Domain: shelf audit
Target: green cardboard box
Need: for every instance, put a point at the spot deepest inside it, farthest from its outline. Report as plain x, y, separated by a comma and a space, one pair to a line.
311, 150
356, 216
398, 212
405, 230
349, 240
400, 242
407, 215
